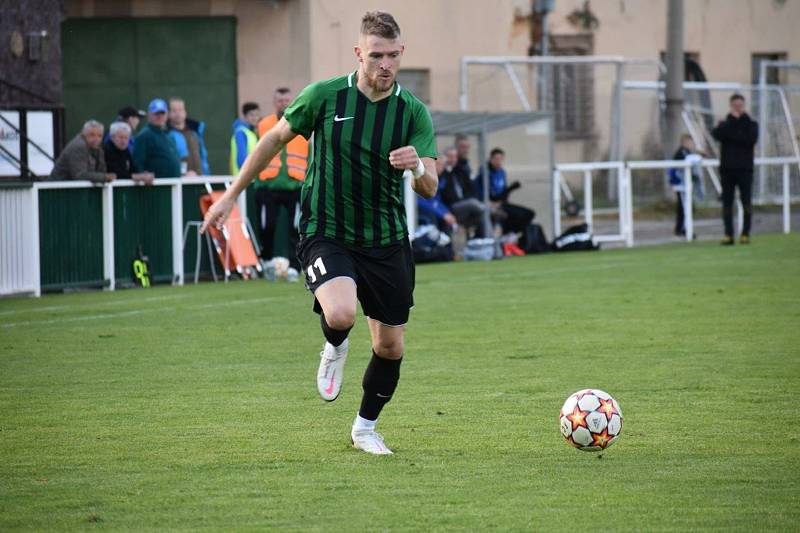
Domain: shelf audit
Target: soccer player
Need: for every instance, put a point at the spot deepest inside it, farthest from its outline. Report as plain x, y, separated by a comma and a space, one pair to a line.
368, 132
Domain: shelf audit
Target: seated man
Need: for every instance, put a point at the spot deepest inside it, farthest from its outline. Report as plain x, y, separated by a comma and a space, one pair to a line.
433, 211
82, 158
118, 154
513, 218
458, 193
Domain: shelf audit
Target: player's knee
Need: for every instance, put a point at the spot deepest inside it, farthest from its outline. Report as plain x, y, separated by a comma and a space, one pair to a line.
391, 348
340, 317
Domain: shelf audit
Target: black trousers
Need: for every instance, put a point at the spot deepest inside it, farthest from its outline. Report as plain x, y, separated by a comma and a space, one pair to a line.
517, 217
731, 179
680, 228
271, 201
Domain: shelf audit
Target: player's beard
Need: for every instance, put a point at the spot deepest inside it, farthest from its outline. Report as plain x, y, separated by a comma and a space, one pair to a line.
381, 84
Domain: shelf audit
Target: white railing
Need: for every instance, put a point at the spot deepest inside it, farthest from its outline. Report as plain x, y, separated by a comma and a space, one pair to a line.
626, 169
623, 195
20, 270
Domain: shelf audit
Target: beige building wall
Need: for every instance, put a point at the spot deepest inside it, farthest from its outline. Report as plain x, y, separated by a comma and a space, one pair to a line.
294, 42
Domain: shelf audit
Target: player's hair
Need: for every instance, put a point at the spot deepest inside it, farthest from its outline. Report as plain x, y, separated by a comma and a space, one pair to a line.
282, 90
249, 106
736, 96
90, 125
380, 24
117, 127
496, 151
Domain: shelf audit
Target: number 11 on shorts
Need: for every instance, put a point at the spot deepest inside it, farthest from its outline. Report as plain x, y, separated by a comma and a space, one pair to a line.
319, 265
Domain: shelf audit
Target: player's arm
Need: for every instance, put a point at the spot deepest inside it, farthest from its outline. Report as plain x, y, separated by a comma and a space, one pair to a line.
426, 180
267, 148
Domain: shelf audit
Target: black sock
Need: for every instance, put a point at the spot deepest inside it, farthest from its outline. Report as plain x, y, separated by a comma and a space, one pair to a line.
333, 336
380, 382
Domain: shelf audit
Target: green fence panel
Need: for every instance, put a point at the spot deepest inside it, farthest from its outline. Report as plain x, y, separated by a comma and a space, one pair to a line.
143, 218
71, 238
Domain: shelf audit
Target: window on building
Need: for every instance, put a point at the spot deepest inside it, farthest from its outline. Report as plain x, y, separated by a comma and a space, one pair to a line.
775, 76
418, 81
571, 87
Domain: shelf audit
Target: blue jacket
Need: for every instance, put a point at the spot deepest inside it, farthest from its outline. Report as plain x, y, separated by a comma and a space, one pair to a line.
432, 209
241, 140
183, 151
497, 183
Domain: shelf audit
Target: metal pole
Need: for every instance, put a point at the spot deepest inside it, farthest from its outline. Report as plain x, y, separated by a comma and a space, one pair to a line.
487, 222
628, 187
688, 219
556, 187
786, 218
33, 242
545, 69
463, 98
588, 213
616, 128
108, 236
177, 241
762, 124
675, 76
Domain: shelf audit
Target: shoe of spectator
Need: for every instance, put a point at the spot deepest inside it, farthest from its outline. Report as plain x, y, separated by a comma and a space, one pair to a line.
726, 241
744, 239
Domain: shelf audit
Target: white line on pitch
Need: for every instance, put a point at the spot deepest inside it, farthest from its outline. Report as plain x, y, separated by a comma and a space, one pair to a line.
100, 304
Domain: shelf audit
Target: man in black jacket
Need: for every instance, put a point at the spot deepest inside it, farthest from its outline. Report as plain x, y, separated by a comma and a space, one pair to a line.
737, 136
458, 193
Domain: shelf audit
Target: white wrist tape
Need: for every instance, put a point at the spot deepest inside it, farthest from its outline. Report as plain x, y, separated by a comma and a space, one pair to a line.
419, 171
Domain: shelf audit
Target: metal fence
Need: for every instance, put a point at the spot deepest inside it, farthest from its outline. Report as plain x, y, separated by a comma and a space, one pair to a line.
631, 170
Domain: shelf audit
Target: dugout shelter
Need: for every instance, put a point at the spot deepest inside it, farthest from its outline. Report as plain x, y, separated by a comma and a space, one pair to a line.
526, 137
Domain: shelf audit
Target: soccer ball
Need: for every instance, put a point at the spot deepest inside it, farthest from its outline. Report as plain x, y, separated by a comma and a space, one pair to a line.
591, 420
281, 267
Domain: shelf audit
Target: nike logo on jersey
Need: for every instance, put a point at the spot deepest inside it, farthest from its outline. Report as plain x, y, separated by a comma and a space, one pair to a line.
337, 118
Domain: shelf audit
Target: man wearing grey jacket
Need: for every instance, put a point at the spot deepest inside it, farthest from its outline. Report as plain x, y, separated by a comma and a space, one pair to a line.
82, 158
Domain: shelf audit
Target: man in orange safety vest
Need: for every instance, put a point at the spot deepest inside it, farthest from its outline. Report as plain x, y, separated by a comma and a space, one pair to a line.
278, 185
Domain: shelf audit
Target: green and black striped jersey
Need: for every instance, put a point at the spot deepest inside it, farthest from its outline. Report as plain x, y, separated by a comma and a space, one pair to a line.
351, 192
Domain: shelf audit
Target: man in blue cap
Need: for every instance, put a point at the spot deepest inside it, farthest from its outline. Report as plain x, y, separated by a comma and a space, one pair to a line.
155, 150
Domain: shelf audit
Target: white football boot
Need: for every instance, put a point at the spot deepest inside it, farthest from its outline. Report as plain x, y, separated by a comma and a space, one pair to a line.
331, 370
370, 441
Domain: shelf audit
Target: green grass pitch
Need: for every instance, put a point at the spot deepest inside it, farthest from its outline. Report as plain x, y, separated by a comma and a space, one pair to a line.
196, 407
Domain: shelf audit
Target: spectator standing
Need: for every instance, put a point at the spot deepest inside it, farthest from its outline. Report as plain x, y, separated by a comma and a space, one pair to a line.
458, 192
244, 138
513, 218
118, 155
677, 180
132, 117
737, 136
82, 158
155, 148
188, 136
278, 186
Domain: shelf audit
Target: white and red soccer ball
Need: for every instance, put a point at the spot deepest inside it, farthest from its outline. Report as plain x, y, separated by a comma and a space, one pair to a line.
591, 420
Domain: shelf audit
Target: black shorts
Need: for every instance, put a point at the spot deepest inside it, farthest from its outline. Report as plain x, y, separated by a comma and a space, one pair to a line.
384, 276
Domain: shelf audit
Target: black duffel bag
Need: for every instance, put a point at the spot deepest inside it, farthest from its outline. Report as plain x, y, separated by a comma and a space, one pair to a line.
576, 238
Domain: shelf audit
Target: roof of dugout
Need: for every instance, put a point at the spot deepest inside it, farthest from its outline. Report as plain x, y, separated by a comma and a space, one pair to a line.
477, 122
